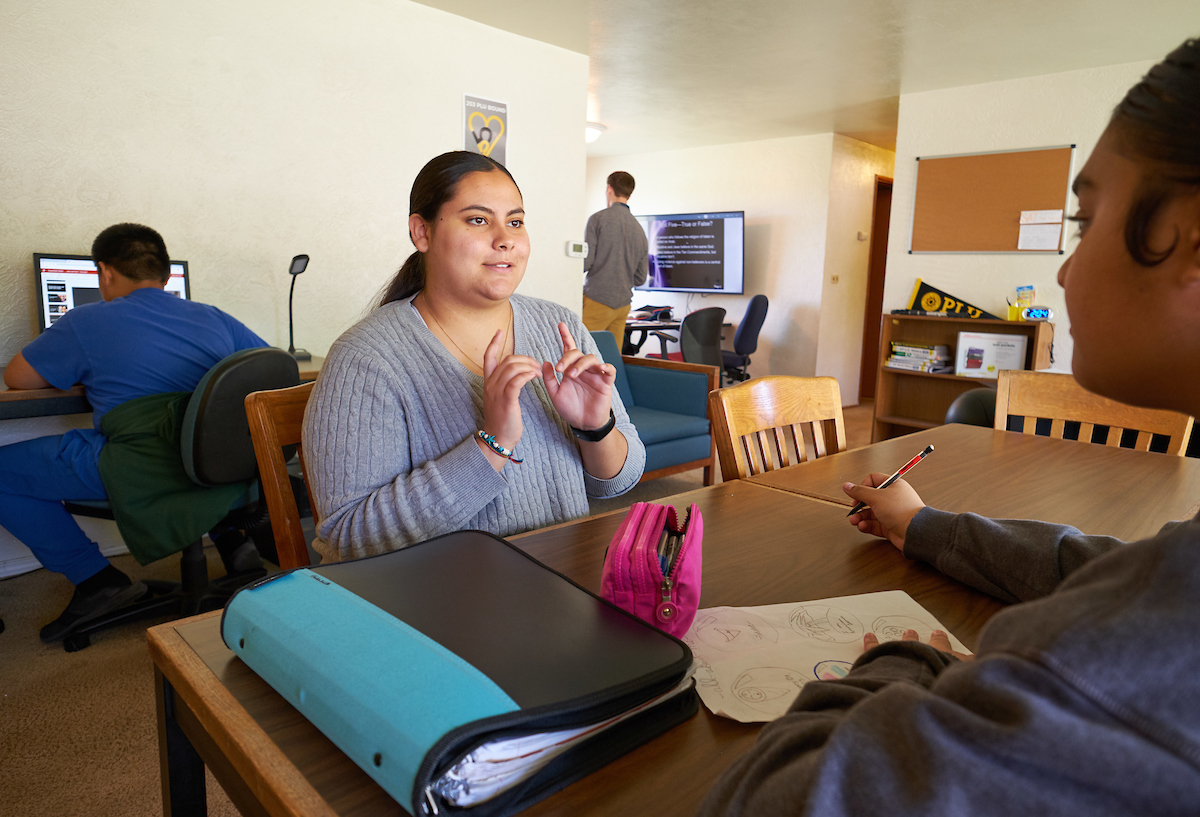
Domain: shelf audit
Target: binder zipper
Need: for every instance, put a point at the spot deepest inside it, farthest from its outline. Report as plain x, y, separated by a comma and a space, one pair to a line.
430, 803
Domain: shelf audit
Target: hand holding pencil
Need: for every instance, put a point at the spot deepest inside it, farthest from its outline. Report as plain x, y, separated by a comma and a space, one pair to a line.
886, 513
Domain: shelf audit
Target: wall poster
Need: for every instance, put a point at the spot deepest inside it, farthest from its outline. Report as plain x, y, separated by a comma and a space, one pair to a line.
485, 124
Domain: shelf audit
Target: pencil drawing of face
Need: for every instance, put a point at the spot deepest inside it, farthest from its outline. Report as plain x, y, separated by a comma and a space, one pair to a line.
768, 689
891, 628
825, 623
734, 630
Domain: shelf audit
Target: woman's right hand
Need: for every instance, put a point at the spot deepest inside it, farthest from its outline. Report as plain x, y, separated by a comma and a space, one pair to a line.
889, 509
502, 384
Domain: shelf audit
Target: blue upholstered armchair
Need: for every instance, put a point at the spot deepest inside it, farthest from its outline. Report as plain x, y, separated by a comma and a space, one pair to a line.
668, 403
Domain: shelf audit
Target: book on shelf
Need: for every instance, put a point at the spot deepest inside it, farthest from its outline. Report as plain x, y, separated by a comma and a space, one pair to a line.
920, 351
940, 366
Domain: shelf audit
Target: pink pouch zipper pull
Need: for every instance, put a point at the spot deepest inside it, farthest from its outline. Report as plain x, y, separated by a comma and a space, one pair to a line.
666, 609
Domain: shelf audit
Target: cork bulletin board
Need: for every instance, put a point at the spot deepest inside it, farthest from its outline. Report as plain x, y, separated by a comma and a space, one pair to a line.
974, 203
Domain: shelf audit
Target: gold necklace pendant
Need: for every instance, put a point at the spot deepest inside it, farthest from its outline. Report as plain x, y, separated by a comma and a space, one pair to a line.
461, 351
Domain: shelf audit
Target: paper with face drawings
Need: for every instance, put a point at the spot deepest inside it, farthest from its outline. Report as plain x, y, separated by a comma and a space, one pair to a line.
752, 661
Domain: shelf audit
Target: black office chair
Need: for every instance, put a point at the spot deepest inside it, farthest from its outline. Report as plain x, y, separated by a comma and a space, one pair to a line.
974, 407
699, 337
216, 450
745, 340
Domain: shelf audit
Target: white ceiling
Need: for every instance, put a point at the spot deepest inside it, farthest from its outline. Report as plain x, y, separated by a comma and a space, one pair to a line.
669, 74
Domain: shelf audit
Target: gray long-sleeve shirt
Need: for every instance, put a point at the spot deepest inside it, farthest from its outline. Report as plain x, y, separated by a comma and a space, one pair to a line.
617, 259
1083, 699
389, 441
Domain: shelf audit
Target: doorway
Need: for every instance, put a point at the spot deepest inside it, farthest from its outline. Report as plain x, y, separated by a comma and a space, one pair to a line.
880, 219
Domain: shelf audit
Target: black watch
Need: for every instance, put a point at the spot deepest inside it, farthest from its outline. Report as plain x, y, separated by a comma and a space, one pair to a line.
596, 435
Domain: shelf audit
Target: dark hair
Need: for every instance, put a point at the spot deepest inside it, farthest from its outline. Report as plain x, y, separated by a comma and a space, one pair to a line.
621, 183
1159, 121
134, 250
434, 186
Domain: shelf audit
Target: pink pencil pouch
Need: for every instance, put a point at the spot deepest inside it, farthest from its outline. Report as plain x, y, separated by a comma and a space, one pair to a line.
653, 566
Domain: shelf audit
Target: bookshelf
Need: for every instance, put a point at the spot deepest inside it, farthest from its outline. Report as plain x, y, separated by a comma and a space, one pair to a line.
910, 401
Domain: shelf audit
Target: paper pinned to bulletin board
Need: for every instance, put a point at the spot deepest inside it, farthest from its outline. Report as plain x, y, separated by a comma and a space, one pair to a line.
485, 123
752, 661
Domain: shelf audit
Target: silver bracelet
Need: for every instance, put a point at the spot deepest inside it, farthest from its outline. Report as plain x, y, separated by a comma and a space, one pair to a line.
490, 439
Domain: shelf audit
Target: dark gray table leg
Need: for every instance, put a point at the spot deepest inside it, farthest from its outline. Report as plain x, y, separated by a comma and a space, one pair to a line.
182, 770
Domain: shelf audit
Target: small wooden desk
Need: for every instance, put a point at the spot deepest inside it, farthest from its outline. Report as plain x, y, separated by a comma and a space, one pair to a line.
1101, 490
18, 403
628, 347
761, 546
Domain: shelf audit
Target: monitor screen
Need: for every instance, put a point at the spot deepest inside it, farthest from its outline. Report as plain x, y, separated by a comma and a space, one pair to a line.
67, 281
695, 252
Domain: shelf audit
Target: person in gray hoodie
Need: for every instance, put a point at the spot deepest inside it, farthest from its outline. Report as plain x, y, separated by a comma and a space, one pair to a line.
1082, 698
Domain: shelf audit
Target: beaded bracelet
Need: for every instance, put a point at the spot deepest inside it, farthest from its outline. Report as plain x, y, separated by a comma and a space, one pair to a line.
490, 439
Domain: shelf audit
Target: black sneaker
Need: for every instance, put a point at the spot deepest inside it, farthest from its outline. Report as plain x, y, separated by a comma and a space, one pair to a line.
83, 609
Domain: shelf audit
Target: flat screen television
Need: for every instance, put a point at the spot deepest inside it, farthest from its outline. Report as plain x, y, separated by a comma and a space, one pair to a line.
67, 281
695, 252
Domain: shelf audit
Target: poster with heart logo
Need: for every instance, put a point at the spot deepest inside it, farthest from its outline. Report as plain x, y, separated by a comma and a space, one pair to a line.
485, 123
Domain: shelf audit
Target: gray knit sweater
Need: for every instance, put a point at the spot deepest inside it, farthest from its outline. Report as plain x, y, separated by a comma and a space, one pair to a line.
389, 438
1083, 699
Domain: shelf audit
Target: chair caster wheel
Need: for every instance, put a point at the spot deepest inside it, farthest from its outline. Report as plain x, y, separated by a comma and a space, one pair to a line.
77, 642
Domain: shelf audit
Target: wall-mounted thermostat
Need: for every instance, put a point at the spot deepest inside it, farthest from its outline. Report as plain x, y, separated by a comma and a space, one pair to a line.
577, 249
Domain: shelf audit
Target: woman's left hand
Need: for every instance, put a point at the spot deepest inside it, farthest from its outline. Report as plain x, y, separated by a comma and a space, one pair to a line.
584, 397
938, 640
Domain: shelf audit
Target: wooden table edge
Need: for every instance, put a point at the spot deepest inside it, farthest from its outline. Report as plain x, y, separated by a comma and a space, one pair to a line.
230, 727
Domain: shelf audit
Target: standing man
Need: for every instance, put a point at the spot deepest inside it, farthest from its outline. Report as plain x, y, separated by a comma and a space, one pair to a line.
140, 341
616, 261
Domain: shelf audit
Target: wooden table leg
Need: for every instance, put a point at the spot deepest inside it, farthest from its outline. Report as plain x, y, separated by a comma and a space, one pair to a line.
180, 766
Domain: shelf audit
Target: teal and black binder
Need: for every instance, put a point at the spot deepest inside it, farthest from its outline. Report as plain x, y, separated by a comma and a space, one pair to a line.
415, 662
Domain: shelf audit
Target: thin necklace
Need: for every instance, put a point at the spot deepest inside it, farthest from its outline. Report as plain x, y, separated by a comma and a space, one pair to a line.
449, 337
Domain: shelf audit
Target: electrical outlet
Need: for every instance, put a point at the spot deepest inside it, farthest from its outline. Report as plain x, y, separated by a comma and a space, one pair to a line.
833, 279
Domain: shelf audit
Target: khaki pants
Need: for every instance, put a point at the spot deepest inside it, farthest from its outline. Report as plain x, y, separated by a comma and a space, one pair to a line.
597, 317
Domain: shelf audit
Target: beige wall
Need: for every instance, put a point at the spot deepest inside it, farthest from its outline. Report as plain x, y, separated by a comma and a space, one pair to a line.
248, 132
783, 187
853, 170
1044, 111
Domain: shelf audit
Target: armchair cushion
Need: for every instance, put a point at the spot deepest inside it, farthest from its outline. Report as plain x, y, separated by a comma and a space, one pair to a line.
656, 426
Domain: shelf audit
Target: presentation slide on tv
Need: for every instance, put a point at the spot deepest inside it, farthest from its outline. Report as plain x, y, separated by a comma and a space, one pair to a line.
697, 251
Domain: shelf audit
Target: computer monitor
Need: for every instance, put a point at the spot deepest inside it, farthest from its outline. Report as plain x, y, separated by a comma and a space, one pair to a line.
67, 281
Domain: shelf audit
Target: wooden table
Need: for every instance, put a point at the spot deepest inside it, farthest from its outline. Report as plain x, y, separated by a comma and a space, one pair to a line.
18, 403
1101, 490
761, 546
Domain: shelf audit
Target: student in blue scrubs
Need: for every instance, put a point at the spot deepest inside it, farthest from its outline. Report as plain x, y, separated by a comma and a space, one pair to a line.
140, 340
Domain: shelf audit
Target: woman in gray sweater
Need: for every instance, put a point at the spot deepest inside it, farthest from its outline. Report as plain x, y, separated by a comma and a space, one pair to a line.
1083, 698
456, 403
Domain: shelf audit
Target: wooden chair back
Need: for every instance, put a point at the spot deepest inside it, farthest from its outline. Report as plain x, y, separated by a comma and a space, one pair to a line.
1059, 398
758, 424
276, 418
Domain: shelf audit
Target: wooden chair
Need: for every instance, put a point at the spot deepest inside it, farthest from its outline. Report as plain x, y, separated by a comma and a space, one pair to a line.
758, 424
1059, 398
275, 419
